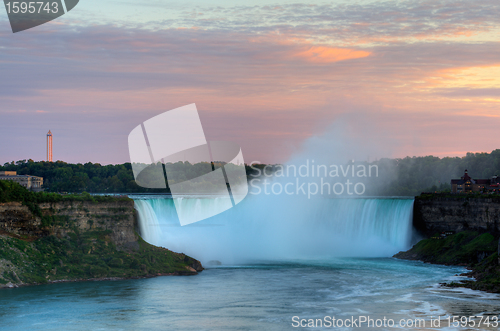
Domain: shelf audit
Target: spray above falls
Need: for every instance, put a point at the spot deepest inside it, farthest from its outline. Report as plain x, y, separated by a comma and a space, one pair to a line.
288, 225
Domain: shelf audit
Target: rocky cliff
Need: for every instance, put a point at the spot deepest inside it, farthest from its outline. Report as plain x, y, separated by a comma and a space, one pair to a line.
59, 218
436, 214
79, 240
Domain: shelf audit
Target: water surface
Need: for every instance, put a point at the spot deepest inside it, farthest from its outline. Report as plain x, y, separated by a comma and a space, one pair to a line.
262, 296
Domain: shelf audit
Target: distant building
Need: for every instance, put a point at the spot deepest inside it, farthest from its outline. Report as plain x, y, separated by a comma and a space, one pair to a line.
32, 183
467, 185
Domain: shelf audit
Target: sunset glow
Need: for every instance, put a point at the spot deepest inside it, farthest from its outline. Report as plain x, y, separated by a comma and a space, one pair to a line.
280, 72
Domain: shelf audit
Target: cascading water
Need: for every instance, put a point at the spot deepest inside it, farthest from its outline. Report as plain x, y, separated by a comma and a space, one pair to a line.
280, 227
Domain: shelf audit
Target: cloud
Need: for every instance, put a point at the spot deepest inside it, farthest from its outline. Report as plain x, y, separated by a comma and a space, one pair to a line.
266, 77
377, 22
469, 92
324, 54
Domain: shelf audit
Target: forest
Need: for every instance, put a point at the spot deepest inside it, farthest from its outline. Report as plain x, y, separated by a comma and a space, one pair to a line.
400, 176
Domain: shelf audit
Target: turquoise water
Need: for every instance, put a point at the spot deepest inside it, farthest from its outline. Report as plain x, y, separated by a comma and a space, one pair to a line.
279, 227
309, 273
262, 296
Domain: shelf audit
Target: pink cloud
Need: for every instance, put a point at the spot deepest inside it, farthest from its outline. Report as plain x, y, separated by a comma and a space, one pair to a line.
267, 91
323, 54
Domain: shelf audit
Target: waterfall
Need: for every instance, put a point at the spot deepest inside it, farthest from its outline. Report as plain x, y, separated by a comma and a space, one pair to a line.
280, 227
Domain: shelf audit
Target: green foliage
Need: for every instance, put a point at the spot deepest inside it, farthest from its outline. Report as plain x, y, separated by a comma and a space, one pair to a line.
116, 263
461, 248
472, 249
47, 221
402, 176
413, 175
464, 197
95, 178
86, 255
79, 255
11, 191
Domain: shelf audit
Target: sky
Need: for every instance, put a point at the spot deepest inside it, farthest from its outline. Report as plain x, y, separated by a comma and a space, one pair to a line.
411, 77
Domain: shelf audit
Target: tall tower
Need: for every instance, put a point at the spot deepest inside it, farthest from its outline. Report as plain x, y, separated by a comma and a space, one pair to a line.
49, 146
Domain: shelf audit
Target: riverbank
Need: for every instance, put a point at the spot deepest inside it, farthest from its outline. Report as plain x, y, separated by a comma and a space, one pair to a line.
475, 250
46, 238
85, 256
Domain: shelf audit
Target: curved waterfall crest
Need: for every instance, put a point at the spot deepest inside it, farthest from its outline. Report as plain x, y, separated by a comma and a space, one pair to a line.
278, 228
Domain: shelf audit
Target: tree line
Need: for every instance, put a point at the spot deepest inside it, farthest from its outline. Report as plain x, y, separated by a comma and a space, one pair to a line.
399, 176
90, 177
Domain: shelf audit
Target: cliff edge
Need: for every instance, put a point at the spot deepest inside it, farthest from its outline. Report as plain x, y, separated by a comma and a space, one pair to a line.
433, 213
46, 237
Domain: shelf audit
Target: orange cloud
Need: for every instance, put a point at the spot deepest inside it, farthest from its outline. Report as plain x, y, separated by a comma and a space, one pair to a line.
323, 54
486, 76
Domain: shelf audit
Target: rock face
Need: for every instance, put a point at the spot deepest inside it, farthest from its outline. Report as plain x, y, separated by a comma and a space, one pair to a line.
18, 219
59, 218
443, 214
196, 265
80, 240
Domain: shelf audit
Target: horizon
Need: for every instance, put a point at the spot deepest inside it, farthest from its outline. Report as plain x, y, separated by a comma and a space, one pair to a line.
248, 163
